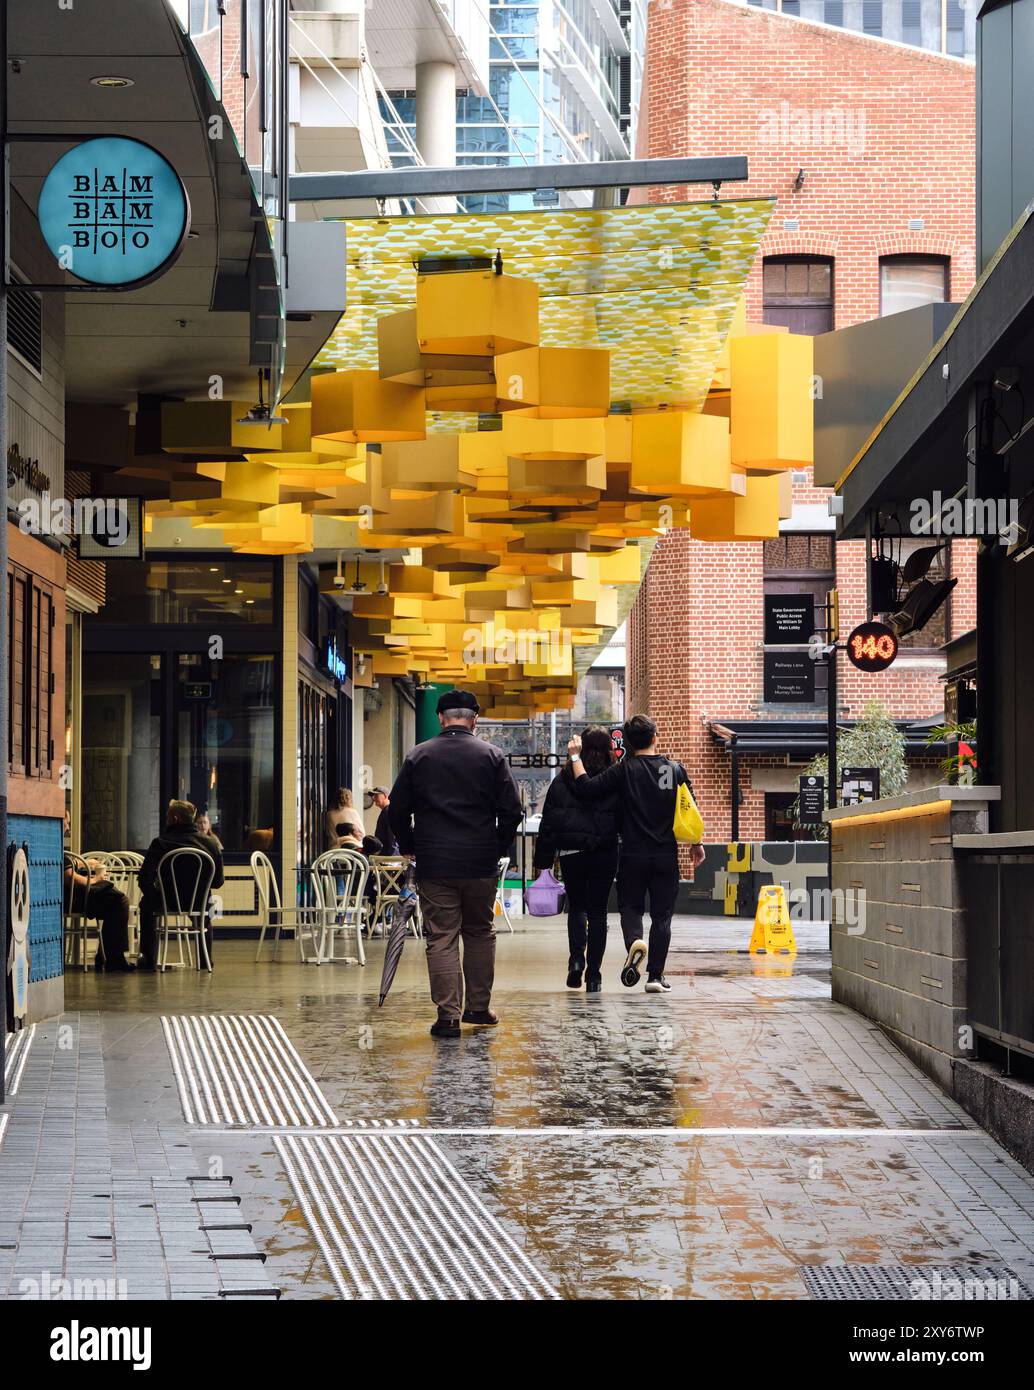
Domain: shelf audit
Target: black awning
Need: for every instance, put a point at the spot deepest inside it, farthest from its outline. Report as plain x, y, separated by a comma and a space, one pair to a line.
802, 739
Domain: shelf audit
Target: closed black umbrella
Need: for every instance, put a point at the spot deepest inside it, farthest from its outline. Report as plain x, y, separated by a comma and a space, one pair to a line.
400, 915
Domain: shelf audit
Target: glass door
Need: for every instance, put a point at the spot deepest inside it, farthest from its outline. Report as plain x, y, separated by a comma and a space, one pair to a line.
121, 750
226, 746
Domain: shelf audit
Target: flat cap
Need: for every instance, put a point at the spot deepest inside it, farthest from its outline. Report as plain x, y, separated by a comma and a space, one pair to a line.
458, 699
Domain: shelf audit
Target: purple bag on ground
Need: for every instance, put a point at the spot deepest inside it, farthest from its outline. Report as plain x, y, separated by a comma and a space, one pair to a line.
544, 895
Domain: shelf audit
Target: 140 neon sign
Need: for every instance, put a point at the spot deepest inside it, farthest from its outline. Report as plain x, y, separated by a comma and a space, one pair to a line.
872, 646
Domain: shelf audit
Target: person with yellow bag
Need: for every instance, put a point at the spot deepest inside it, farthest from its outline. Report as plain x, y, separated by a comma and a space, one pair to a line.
658, 812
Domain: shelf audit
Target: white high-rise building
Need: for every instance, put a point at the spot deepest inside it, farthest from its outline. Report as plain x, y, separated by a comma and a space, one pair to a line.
563, 83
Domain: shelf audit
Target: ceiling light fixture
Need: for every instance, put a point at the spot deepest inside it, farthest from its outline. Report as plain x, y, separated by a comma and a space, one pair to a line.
111, 82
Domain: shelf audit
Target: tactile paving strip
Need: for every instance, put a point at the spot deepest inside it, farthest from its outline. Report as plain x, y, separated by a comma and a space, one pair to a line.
242, 1070
915, 1283
394, 1219
15, 1057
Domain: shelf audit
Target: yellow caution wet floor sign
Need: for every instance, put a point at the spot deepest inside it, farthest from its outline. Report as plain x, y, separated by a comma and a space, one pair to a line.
772, 932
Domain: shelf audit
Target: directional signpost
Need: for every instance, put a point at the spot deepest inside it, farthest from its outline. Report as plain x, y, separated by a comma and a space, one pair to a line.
811, 800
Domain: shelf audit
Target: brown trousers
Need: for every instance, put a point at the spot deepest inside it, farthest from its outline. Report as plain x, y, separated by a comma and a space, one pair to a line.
455, 908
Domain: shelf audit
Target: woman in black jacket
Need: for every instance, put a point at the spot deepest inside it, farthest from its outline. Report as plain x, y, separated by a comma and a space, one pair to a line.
585, 836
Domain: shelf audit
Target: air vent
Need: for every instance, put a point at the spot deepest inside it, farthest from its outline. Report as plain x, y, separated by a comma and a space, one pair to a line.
25, 324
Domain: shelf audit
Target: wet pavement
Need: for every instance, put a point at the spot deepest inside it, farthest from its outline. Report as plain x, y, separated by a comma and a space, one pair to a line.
717, 1142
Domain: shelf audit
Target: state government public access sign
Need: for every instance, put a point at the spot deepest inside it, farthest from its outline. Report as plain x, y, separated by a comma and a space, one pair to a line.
113, 211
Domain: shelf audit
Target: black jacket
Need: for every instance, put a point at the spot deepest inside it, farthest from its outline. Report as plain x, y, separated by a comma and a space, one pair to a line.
455, 806
645, 790
177, 837
569, 822
384, 832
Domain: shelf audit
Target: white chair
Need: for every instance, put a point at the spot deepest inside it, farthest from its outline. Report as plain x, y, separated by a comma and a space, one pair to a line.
78, 922
341, 877
184, 879
389, 872
499, 907
276, 917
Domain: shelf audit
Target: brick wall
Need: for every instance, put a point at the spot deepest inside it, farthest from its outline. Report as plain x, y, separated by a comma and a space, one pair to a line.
884, 134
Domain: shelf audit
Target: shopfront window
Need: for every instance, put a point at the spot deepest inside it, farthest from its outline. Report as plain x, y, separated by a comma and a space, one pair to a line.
121, 750
215, 591
226, 746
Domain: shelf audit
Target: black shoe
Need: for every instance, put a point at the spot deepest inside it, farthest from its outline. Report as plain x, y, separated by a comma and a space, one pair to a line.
445, 1028
146, 965
593, 984
575, 967
121, 967
634, 959
481, 1018
657, 984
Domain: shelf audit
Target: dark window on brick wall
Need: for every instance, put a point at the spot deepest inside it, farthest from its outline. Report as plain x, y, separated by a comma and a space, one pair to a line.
30, 693
798, 293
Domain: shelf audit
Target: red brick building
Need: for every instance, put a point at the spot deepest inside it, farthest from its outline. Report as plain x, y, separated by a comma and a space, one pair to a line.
868, 146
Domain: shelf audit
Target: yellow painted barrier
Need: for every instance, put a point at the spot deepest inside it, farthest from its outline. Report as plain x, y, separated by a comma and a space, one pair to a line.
772, 932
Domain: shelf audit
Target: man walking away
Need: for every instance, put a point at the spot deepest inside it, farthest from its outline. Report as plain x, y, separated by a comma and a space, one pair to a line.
646, 786
455, 806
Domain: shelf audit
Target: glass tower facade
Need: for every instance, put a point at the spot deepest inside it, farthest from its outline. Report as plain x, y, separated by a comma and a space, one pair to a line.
942, 26
565, 77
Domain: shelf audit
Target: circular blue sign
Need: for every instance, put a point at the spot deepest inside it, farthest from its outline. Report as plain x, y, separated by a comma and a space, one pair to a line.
113, 211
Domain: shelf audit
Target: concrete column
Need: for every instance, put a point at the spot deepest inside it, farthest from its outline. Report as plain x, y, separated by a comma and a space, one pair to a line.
436, 123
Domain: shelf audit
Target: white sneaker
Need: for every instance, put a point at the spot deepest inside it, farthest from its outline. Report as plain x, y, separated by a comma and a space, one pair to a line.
634, 959
658, 986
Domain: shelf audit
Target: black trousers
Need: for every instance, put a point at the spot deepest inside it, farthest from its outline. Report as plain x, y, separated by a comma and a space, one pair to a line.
107, 905
653, 876
588, 877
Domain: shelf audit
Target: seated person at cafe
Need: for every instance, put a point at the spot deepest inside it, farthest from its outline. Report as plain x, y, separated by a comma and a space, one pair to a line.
180, 832
95, 896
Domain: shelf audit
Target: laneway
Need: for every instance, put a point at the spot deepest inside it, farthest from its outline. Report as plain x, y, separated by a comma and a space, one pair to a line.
743, 1137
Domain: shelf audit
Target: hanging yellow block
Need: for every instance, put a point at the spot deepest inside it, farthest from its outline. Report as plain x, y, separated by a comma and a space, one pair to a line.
772, 934
476, 313
210, 427
753, 517
681, 453
356, 405
399, 358
553, 439
426, 465
555, 383
247, 485
771, 408
619, 442
458, 562
622, 567
282, 530
557, 482
417, 581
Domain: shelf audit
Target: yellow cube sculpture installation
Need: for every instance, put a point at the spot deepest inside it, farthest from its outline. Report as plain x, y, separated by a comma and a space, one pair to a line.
355, 406
476, 313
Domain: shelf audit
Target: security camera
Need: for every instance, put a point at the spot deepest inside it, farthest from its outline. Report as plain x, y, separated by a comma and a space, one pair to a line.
382, 589
340, 582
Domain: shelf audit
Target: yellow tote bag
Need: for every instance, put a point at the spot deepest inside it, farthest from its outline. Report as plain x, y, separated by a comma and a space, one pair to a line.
689, 824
